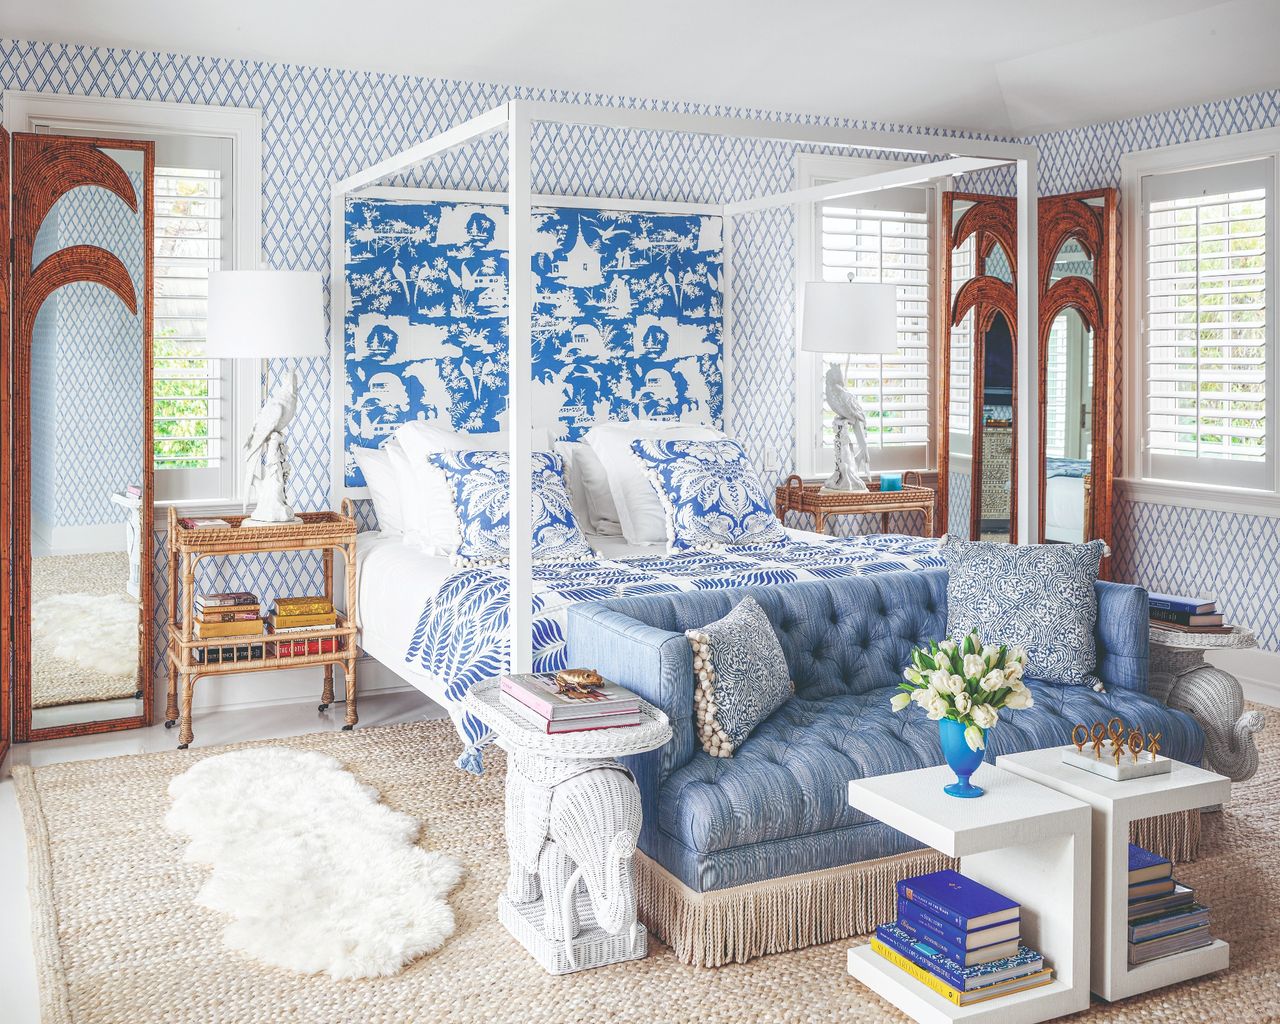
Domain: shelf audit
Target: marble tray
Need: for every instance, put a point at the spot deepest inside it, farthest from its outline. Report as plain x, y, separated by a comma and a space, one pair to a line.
1106, 765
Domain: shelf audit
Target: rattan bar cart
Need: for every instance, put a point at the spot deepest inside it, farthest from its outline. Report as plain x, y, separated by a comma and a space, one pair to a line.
189, 658
797, 496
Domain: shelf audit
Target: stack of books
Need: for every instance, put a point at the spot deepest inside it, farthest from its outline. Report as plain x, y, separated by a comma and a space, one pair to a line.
535, 697
1164, 917
303, 615
961, 939
232, 616
1186, 614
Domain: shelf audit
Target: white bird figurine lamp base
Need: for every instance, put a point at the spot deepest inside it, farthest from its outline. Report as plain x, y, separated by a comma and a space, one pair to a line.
853, 461
267, 462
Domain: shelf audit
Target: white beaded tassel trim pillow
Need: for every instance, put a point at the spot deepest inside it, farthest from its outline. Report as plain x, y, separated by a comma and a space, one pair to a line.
713, 738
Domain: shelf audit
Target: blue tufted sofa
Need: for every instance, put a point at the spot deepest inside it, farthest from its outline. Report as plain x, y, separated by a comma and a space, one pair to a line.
761, 852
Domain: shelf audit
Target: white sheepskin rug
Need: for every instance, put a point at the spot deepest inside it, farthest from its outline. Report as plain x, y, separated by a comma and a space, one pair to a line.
94, 631
316, 874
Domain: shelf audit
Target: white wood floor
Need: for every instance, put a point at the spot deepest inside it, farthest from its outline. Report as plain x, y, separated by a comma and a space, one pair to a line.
19, 997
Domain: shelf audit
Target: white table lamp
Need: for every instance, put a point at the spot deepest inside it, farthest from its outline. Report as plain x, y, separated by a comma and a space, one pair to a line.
267, 314
849, 317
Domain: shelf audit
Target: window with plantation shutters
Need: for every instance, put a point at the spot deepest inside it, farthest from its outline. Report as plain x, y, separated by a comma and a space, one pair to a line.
1207, 333
189, 390
884, 238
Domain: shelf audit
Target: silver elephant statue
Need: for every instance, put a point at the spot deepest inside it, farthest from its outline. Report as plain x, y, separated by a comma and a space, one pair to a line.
573, 825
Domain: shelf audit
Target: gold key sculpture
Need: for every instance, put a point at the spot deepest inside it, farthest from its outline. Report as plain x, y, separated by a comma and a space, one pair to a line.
1122, 737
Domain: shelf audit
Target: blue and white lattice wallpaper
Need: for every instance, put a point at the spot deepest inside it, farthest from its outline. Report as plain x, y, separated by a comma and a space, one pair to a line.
627, 315
322, 124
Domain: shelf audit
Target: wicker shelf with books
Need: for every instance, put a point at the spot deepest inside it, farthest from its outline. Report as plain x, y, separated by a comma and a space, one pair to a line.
212, 635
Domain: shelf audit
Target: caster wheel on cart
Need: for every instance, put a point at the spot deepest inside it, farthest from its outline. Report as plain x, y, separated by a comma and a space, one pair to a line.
323, 707
182, 746
169, 723
347, 728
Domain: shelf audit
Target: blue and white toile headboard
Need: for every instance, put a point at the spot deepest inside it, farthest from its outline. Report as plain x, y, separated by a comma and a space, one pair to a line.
627, 317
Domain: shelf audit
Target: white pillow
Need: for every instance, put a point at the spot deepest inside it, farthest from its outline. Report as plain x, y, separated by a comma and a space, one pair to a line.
589, 489
381, 478
432, 524
638, 506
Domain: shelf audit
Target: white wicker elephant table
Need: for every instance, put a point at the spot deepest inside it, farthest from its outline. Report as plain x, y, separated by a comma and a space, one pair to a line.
572, 820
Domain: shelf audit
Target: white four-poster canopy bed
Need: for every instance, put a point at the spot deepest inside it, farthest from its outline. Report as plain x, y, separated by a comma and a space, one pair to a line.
945, 157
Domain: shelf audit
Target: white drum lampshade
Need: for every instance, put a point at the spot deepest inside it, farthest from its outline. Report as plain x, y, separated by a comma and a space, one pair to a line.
265, 314
850, 317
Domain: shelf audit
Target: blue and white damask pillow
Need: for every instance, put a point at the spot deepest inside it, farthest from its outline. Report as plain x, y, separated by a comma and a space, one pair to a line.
711, 493
480, 485
740, 677
1039, 596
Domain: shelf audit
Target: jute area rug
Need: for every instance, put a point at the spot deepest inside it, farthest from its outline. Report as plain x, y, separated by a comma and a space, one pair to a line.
118, 939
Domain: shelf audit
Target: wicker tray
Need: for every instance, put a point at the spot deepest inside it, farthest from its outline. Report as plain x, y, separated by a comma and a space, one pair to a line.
796, 494
316, 529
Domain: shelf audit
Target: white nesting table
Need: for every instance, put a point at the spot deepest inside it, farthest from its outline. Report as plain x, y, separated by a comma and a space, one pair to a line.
1021, 839
1115, 805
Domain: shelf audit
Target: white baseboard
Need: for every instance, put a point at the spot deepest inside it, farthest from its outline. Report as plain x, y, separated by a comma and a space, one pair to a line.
79, 540
1258, 672
285, 686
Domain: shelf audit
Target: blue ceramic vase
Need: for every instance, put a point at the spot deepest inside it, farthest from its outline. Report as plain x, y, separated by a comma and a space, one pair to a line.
960, 759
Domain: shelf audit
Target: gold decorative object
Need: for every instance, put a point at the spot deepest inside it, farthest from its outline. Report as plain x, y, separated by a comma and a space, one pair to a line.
1081, 730
1116, 731
579, 683
1153, 743
1099, 734
1136, 743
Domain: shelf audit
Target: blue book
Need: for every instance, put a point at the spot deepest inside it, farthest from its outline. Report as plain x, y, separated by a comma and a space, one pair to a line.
950, 934
965, 956
1145, 866
958, 900
1178, 920
937, 963
1174, 603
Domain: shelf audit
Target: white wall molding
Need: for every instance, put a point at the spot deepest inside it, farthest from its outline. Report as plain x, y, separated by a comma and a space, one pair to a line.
1257, 670
1212, 498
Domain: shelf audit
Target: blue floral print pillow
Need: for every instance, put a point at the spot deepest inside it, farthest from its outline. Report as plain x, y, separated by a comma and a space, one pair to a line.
711, 493
480, 486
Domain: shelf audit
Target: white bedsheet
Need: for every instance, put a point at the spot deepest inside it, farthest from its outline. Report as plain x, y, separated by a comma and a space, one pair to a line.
1064, 509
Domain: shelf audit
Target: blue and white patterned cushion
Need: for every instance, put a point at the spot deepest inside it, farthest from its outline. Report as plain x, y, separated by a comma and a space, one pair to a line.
1040, 596
480, 486
711, 492
742, 677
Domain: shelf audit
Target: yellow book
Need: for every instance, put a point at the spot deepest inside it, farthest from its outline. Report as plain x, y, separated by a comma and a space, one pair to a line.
303, 605
279, 621
954, 995
246, 627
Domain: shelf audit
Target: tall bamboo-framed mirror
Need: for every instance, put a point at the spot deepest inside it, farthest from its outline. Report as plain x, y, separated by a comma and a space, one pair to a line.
977, 412
78, 442
1078, 281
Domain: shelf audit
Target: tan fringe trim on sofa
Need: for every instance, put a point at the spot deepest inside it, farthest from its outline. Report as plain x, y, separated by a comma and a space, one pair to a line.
735, 925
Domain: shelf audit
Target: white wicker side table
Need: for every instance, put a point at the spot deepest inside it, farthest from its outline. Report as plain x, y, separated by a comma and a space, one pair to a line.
1185, 681
572, 820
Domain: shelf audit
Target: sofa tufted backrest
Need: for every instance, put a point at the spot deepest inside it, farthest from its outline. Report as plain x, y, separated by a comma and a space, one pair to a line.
855, 634
839, 636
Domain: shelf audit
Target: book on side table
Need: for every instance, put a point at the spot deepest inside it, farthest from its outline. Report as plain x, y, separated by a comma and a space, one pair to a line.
961, 939
1164, 917
536, 697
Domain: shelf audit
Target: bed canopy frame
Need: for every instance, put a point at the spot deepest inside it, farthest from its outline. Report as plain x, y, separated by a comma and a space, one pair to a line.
946, 156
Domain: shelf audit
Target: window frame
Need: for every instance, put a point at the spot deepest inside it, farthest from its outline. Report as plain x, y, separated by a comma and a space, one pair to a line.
813, 459
26, 111
1201, 487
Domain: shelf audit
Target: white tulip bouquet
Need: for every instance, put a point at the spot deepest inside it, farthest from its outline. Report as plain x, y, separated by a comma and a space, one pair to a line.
968, 682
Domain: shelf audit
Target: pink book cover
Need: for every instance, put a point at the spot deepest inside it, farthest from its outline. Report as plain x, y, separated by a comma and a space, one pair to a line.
538, 691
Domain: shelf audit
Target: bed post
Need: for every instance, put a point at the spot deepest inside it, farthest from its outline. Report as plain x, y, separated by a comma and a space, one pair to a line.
520, 387
1028, 383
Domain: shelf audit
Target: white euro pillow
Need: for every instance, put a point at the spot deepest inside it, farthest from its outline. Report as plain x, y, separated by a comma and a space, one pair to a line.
638, 505
588, 484
384, 483
432, 524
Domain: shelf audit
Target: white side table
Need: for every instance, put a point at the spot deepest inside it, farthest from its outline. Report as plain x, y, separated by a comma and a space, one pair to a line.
1115, 805
572, 821
133, 538
1020, 839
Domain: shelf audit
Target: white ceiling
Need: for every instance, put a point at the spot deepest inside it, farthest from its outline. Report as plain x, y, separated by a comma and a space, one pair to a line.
1005, 66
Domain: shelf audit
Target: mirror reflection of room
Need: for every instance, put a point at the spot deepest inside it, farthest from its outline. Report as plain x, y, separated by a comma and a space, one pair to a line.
995, 417
1068, 427
87, 430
